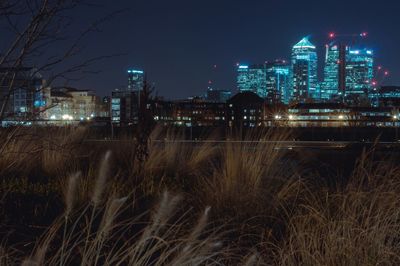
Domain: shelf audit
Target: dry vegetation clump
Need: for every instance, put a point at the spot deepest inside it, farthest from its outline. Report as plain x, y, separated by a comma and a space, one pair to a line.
37, 151
252, 186
105, 231
63, 151
355, 224
18, 152
175, 164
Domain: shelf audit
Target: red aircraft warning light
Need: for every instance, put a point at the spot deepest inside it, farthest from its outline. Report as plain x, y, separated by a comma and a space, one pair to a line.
332, 35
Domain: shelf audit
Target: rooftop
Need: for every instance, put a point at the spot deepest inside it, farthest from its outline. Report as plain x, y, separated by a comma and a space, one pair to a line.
304, 43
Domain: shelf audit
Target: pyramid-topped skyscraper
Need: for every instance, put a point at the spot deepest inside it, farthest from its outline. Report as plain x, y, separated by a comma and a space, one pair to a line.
304, 69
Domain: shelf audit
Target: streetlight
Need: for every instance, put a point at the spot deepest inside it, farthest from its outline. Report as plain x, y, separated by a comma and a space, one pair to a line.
395, 118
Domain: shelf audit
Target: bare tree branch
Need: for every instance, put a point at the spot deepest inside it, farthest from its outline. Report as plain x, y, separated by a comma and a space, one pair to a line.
38, 25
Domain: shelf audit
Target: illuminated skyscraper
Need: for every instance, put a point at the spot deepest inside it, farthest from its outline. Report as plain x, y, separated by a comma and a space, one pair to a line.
334, 70
278, 81
331, 72
304, 71
359, 71
242, 80
135, 80
252, 78
125, 102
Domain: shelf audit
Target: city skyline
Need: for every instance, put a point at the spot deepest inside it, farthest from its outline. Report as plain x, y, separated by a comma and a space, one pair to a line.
320, 70
349, 73
276, 79
177, 34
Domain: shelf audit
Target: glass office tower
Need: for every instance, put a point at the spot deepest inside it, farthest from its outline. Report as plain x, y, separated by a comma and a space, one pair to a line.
278, 81
330, 84
252, 78
135, 80
304, 71
359, 71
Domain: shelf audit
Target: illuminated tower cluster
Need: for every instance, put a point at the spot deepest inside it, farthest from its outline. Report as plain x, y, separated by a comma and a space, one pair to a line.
304, 71
348, 71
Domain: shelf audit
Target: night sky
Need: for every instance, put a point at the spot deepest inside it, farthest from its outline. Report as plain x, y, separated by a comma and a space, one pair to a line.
179, 42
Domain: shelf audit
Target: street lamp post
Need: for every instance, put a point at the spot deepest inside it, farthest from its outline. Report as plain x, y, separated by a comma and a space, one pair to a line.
395, 118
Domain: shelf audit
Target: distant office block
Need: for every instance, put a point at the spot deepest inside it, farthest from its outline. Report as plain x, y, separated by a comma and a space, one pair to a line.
135, 80
252, 78
278, 81
359, 71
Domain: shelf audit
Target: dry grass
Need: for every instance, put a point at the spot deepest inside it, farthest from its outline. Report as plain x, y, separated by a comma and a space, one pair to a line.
358, 224
101, 233
236, 203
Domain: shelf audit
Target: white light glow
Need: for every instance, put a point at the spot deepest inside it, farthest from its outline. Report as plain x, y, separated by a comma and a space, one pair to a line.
67, 117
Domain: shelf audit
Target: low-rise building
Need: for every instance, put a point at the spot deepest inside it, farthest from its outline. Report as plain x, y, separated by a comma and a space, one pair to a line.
69, 105
21, 94
245, 109
199, 113
340, 115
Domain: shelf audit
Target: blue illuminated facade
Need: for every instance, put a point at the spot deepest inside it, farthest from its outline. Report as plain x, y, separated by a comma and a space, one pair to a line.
304, 71
26, 98
347, 75
252, 78
359, 71
125, 102
330, 85
278, 81
242, 79
135, 80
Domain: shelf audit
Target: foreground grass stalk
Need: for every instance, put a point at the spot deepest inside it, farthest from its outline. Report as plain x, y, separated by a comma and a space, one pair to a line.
96, 199
69, 201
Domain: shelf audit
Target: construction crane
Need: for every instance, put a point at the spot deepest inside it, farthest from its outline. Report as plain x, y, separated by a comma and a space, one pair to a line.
354, 36
380, 75
362, 34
